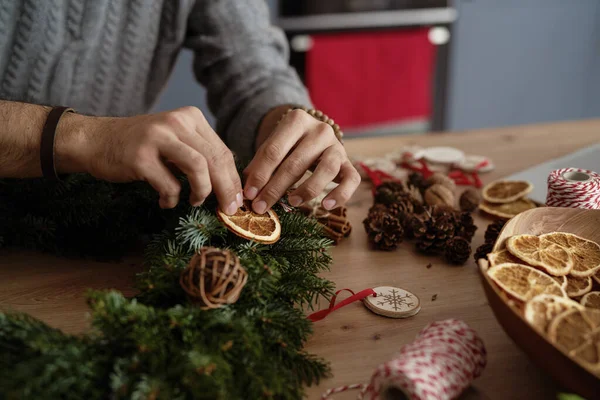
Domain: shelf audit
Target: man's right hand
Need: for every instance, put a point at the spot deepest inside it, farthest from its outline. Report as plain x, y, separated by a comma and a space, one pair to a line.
144, 147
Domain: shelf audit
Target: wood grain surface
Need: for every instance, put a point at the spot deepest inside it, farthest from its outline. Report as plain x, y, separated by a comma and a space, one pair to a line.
353, 339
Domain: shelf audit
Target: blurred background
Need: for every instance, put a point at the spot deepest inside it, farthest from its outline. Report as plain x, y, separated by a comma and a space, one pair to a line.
382, 67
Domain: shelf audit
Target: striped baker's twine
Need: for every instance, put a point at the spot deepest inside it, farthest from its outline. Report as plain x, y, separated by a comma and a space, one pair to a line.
329, 392
573, 188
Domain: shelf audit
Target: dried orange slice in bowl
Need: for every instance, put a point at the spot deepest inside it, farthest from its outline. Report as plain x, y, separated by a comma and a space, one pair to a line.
523, 282
591, 300
503, 256
546, 255
263, 228
543, 308
562, 281
585, 253
506, 191
577, 332
507, 210
577, 286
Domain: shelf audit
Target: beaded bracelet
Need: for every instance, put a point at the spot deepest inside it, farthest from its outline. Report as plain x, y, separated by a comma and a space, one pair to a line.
319, 115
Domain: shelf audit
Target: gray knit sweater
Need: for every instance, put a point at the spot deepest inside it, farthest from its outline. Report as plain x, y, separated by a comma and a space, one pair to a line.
113, 57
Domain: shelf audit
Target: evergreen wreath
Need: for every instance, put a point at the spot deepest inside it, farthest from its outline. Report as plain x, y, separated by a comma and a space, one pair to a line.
158, 345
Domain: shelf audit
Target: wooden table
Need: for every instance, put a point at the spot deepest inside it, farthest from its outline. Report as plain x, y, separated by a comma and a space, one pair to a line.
353, 339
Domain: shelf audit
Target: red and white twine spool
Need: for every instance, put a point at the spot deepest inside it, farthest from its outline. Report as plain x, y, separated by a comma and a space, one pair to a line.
439, 365
573, 188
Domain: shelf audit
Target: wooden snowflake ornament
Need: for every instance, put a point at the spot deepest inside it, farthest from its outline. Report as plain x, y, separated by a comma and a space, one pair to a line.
393, 302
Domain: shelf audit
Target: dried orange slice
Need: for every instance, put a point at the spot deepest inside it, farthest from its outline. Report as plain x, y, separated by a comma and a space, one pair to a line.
262, 228
577, 286
543, 308
577, 332
562, 281
548, 256
591, 300
507, 210
523, 282
506, 191
585, 253
503, 256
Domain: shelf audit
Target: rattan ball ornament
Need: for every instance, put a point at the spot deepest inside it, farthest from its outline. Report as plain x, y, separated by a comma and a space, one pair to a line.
213, 278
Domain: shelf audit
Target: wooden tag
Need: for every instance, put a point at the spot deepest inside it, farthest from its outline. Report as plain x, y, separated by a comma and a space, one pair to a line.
393, 302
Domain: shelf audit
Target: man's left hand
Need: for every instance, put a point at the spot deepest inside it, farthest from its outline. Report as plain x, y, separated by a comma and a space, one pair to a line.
295, 145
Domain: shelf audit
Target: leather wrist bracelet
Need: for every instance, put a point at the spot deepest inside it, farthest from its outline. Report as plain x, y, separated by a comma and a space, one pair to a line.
47, 145
321, 117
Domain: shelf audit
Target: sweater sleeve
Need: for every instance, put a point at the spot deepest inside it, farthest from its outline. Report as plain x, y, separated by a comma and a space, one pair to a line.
243, 62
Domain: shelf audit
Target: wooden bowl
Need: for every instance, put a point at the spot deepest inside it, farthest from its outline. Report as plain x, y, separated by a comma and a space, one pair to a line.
557, 363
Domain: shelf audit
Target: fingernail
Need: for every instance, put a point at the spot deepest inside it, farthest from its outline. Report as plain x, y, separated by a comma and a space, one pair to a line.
232, 208
251, 192
260, 207
329, 204
240, 199
295, 201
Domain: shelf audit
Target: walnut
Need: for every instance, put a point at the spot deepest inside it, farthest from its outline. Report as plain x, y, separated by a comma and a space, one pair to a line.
469, 200
443, 180
439, 194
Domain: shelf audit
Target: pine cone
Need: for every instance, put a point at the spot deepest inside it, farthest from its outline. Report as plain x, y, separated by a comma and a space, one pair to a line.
394, 186
442, 209
378, 208
483, 250
457, 250
465, 226
493, 231
432, 233
388, 193
404, 203
383, 230
395, 210
416, 179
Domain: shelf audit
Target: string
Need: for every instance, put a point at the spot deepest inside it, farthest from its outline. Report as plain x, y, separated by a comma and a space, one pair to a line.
319, 315
460, 178
329, 392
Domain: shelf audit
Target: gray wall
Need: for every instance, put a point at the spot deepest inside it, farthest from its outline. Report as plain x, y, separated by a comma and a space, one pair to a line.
524, 61
512, 62
183, 89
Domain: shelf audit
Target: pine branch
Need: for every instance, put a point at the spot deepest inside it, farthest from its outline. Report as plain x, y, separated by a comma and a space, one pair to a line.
157, 344
198, 228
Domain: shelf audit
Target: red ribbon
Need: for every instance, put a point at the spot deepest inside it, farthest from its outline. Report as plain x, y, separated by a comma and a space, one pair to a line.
319, 315
376, 176
423, 169
460, 178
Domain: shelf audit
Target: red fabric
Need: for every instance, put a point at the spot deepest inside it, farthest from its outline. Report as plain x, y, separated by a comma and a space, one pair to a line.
371, 78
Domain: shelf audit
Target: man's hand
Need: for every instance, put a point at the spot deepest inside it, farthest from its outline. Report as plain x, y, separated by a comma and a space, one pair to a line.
145, 147
296, 144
